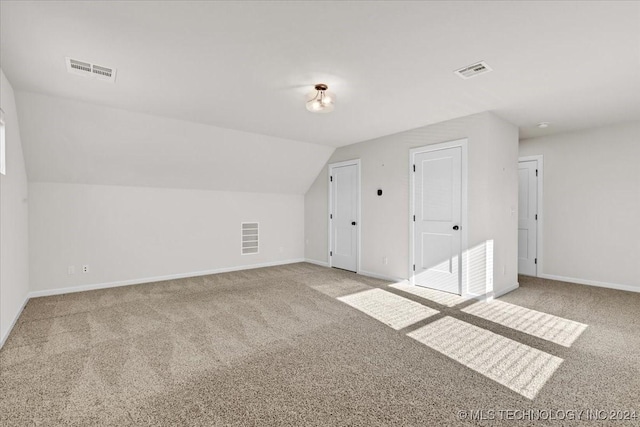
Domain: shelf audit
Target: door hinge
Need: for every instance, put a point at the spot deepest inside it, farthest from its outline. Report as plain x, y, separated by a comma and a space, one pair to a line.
414, 218
331, 178
535, 261
536, 217
536, 172
330, 216
414, 267
331, 253
414, 168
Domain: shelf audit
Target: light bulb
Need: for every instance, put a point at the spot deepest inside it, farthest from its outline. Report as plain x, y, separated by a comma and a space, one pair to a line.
320, 100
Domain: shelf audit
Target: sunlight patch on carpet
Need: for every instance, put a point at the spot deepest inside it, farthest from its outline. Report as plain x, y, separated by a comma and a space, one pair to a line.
517, 366
388, 308
542, 325
442, 298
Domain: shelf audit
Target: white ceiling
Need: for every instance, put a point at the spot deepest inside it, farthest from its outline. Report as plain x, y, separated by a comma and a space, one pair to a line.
247, 65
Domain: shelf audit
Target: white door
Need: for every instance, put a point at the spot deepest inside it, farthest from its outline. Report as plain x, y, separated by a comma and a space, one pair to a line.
344, 217
527, 217
438, 213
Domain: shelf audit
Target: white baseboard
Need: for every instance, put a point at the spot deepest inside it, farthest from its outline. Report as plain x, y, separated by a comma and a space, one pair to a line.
609, 285
59, 291
361, 272
316, 262
506, 290
13, 322
381, 276
493, 294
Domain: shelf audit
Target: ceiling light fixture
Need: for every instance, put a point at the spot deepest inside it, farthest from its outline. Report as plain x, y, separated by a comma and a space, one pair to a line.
321, 100
543, 125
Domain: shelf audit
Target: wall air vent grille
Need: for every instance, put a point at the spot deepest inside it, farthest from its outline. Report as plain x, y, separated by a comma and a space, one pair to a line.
87, 69
473, 70
80, 66
103, 71
250, 238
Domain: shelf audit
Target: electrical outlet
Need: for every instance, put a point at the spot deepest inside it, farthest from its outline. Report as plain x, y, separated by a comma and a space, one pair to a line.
71, 269
385, 260
85, 268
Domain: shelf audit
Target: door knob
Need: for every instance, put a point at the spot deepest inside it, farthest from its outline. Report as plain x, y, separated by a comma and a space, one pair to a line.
353, 223
455, 227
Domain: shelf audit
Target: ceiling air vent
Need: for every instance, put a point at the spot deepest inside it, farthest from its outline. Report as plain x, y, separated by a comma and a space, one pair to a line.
87, 69
473, 70
249, 238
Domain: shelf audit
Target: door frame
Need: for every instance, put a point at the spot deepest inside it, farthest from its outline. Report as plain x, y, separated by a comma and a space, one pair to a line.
463, 144
332, 166
539, 224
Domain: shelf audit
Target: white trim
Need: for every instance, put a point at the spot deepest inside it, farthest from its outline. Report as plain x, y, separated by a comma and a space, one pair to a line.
48, 292
587, 282
489, 296
13, 322
464, 223
506, 290
381, 276
539, 225
355, 162
316, 262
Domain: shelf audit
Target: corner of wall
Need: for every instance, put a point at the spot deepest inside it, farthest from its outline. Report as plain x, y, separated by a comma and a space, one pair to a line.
14, 219
315, 220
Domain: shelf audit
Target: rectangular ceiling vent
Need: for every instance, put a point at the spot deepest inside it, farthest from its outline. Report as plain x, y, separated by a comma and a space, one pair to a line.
473, 70
249, 238
87, 69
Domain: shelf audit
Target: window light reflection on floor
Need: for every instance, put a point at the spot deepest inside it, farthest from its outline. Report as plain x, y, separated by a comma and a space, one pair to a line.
442, 298
388, 308
517, 366
542, 325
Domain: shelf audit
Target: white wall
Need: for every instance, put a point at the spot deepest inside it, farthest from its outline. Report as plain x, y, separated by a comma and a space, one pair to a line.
14, 250
591, 204
137, 197
81, 143
132, 234
493, 192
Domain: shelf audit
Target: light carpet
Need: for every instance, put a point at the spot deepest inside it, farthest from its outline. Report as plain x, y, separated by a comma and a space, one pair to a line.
276, 347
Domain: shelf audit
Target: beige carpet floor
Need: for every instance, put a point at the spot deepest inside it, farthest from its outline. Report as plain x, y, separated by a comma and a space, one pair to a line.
302, 345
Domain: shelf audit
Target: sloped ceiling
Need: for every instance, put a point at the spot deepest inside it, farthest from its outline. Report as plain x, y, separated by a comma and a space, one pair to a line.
76, 142
188, 71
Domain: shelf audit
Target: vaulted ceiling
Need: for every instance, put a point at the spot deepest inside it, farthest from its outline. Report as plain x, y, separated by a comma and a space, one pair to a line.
247, 65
